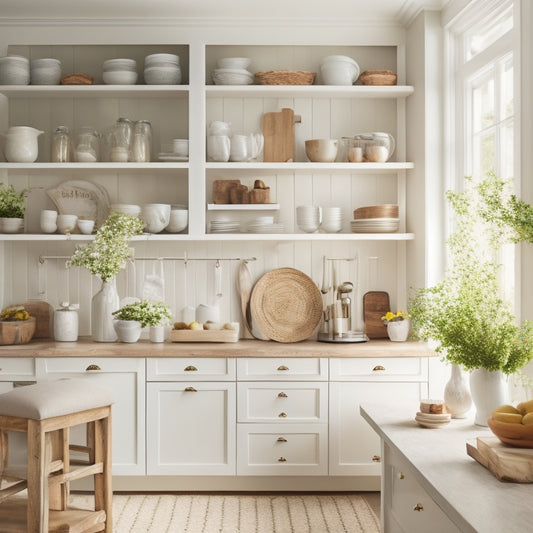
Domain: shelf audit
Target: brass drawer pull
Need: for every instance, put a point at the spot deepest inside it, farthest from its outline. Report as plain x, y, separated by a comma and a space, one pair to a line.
283, 367
376, 459
190, 389
282, 415
418, 507
378, 367
401, 476
282, 439
92, 368
282, 395
190, 368
282, 460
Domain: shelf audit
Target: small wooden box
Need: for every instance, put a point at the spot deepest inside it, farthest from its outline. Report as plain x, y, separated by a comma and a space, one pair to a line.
260, 196
204, 335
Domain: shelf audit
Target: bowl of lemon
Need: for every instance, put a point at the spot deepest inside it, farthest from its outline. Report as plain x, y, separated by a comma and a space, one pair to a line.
513, 425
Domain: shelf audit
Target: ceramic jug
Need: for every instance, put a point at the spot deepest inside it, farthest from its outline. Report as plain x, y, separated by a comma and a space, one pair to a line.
21, 144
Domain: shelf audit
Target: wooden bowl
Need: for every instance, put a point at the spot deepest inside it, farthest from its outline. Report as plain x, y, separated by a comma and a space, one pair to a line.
514, 434
17, 331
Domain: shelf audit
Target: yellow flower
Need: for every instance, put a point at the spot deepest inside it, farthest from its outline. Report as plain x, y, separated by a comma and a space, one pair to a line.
389, 316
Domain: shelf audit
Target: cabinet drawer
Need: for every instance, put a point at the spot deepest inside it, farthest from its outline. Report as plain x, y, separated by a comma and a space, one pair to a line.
197, 369
411, 506
282, 402
283, 368
376, 369
268, 449
86, 365
16, 367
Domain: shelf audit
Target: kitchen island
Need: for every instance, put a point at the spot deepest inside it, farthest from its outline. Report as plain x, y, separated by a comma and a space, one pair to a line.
429, 483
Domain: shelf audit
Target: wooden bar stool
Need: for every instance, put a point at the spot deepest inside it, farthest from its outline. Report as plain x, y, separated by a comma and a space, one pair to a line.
45, 412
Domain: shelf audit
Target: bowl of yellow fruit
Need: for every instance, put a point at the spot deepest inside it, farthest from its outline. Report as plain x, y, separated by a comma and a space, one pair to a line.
513, 425
16, 326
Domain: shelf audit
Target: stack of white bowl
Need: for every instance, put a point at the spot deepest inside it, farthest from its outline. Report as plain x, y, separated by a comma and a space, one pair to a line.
178, 221
120, 72
331, 219
339, 70
128, 209
162, 69
46, 71
233, 71
14, 70
308, 218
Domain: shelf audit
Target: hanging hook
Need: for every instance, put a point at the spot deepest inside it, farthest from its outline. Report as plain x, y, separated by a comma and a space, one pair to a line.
217, 264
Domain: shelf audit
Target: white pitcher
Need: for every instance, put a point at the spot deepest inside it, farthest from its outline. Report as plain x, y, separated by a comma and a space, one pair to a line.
21, 144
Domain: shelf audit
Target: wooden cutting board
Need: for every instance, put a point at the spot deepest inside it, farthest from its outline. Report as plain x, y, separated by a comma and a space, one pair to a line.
507, 463
375, 305
278, 131
44, 315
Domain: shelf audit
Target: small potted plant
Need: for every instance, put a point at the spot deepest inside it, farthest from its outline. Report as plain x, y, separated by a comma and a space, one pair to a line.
16, 326
12, 209
131, 318
398, 325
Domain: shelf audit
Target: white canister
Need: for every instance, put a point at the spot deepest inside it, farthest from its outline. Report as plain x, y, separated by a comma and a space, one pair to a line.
66, 323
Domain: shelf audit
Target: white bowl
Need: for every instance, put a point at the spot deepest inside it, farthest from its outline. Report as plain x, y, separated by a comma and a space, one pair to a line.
337, 58
227, 76
45, 74
155, 217
119, 77
161, 58
11, 225
119, 64
234, 62
66, 223
162, 75
339, 74
321, 150
128, 209
14, 70
86, 226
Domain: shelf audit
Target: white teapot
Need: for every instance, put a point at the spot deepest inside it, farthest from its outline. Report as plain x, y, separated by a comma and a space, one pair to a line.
21, 144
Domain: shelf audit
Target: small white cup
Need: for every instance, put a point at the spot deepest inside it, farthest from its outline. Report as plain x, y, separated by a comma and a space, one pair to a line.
86, 226
66, 223
239, 148
180, 147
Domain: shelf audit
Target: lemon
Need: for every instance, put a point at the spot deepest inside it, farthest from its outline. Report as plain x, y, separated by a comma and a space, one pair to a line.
506, 409
195, 325
511, 418
525, 407
527, 419
180, 325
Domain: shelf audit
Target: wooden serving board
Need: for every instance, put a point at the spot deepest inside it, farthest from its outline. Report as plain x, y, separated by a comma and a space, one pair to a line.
44, 315
507, 463
205, 335
278, 131
375, 305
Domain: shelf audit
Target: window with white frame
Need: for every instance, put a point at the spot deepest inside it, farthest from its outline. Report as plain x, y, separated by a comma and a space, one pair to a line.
484, 101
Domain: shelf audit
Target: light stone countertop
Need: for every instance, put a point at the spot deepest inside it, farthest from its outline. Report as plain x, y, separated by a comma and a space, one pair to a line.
466, 491
85, 347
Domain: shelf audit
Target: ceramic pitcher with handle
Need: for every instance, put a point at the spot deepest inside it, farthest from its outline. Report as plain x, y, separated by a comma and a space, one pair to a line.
21, 144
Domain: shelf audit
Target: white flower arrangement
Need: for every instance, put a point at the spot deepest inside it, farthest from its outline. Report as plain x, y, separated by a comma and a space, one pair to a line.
146, 312
107, 254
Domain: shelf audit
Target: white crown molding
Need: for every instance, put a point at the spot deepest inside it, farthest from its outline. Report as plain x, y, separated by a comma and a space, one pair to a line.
411, 8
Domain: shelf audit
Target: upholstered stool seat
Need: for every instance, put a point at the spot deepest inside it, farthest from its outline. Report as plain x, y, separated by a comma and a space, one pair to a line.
45, 412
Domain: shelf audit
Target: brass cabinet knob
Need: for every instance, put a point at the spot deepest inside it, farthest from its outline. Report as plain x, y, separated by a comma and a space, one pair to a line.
283, 367
190, 368
418, 507
282, 439
282, 415
401, 476
282, 460
282, 395
92, 368
376, 459
190, 389
378, 368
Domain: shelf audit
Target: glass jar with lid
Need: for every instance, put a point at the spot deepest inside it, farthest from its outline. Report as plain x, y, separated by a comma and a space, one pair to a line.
122, 140
142, 141
60, 152
87, 145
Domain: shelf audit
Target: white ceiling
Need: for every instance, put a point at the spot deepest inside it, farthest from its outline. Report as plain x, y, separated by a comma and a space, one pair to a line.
387, 11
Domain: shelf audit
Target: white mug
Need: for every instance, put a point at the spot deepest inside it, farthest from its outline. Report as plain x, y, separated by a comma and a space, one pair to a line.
239, 148
218, 148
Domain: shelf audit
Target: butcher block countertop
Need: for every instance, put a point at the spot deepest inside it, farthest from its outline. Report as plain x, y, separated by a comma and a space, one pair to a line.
85, 347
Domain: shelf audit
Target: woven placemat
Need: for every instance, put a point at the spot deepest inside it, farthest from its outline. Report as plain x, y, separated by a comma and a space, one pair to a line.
286, 305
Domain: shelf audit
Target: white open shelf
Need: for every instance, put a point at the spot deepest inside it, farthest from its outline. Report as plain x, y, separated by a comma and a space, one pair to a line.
94, 91
243, 207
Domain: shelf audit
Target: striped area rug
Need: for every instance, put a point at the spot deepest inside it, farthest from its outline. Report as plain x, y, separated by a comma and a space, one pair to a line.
249, 513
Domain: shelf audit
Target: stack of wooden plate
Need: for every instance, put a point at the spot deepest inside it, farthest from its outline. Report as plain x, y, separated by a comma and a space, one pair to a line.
376, 219
433, 414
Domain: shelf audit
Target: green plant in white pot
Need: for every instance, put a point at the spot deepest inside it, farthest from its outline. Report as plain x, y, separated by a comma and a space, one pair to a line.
12, 209
145, 313
472, 325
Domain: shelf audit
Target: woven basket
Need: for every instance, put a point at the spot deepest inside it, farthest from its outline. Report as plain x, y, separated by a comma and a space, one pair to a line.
378, 77
285, 77
376, 211
286, 305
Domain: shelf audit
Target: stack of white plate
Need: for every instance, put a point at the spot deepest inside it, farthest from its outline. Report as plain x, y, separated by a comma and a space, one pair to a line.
233, 71
375, 225
120, 72
264, 225
162, 69
225, 226
331, 219
430, 420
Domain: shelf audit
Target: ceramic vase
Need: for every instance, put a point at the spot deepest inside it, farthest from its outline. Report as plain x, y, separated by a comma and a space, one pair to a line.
457, 395
157, 334
104, 302
398, 330
127, 330
489, 390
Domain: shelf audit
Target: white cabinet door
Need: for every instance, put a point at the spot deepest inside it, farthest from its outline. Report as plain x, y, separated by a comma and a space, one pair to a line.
126, 378
354, 446
191, 428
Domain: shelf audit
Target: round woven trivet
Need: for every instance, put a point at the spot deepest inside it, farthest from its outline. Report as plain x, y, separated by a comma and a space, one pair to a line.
286, 305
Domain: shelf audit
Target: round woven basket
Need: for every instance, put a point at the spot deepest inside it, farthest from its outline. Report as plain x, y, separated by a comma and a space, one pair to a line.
378, 77
285, 77
286, 305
